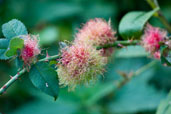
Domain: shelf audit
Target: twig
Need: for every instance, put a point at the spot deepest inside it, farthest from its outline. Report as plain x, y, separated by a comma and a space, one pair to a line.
50, 58
11, 81
119, 44
122, 82
154, 4
20, 73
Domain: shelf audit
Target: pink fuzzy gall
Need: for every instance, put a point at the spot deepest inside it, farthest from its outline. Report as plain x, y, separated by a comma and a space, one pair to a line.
31, 49
96, 32
157, 55
151, 39
77, 53
79, 63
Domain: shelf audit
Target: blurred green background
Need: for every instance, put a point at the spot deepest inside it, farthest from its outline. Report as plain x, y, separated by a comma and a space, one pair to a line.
59, 20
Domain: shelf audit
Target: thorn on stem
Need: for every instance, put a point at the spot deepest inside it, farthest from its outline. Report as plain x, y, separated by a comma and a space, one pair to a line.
120, 45
131, 40
123, 74
4, 87
47, 55
19, 69
11, 77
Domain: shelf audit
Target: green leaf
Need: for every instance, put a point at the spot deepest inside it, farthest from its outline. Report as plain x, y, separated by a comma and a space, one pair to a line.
162, 77
4, 43
13, 28
130, 98
168, 57
136, 96
2, 54
3, 47
165, 55
165, 106
132, 24
15, 44
46, 106
45, 78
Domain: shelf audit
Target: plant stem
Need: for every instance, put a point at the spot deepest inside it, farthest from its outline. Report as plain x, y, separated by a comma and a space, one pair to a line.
20, 73
164, 21
122, 82
50, 58
11, 81
119, 44
154, 4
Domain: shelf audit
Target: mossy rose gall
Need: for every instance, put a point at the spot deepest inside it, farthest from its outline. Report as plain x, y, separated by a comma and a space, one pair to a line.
79, 64
97, 32
31, 49
151, 39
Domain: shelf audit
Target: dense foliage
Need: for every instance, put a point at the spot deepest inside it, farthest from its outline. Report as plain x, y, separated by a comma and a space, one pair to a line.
92, 57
